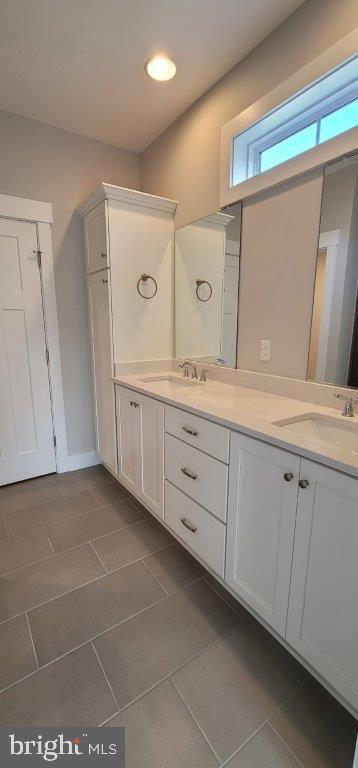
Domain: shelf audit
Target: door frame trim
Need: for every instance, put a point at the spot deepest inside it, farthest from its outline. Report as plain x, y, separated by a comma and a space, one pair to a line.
22, 209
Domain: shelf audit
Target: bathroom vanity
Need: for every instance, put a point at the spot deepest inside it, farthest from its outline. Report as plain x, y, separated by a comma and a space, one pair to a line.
270, 509
261, 488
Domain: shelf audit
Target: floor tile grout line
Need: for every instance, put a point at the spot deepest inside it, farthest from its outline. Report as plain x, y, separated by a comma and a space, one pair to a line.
108, 720
43, 525
175, 670
37, 562
32, 641
105, 674
97, 538
265, 722
196, 721
49, 541
83, 514
223, 598
55, 522
6, 528
62, 594
97, 555
285, 745
154, 576
95, 637
186, 586
81, 645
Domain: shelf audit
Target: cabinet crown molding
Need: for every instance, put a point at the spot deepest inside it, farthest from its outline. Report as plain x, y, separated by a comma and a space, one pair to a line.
122, 194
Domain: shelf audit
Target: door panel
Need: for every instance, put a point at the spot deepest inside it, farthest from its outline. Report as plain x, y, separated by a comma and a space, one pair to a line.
261, 521
128, 433
103, 386
152, 450
96, 239
323, 618
26, 435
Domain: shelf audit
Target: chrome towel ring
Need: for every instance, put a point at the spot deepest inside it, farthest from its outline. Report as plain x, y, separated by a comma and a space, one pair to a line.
200, 283
144, 279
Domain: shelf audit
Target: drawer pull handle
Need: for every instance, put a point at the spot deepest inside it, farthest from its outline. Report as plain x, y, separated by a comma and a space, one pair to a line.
188, 473
134, 403
288, 476
189, 526
303, 483
192, 432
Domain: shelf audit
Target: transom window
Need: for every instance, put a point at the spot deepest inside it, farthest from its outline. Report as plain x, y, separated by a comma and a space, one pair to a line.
319, 113
325, 127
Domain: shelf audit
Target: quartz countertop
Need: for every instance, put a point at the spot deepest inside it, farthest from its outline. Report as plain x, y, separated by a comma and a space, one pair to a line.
251, 412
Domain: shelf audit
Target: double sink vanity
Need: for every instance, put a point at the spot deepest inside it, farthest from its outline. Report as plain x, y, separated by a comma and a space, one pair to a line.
263, 490
254, 470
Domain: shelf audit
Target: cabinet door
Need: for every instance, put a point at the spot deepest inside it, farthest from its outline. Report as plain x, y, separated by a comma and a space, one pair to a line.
151, 413
261, 522
103, 387
128, 438
323, 609
96, 239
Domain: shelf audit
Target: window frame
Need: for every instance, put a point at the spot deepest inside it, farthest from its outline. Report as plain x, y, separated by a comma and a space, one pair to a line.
312, 74
310, 116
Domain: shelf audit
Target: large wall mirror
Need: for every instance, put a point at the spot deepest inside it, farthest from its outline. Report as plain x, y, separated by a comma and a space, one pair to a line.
333, 353
207, 257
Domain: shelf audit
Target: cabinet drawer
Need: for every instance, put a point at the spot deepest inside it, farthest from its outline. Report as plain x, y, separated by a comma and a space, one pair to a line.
201, 433
203, 534
199, 475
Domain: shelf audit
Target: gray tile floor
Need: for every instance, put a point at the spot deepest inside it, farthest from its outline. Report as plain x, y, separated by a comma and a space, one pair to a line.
106, 620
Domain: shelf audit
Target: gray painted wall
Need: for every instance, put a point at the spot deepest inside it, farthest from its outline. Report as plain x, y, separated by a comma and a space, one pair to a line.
62, 168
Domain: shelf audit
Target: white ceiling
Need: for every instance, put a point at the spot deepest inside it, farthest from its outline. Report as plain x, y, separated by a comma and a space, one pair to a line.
79, 64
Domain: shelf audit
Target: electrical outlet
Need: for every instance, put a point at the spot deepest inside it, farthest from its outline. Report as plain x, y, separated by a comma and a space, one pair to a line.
265, 350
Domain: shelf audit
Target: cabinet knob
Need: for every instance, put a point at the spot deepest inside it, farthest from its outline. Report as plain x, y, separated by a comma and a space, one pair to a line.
104, 255
132, 402
288, 476
303, 483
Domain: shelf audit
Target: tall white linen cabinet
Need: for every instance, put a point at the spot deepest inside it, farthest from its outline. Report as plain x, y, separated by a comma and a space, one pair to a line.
129, 249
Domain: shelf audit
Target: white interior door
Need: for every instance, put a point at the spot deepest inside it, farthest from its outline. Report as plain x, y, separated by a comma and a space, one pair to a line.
26, 432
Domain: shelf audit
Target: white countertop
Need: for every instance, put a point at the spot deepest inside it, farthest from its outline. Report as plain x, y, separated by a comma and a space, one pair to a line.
251, 412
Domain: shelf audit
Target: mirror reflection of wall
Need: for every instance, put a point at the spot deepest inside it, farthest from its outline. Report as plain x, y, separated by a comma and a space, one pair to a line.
333, 354
206, 288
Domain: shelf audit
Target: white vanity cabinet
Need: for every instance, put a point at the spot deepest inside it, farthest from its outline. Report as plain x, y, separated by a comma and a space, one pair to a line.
140, 444
129, 249
323, 607
96, 238
102, 366
261, 524
291, 555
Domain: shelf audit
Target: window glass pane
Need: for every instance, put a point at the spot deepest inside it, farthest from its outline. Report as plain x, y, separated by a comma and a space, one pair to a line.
290, 147
338, 121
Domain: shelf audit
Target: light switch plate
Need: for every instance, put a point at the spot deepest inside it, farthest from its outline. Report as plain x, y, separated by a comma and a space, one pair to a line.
265, 350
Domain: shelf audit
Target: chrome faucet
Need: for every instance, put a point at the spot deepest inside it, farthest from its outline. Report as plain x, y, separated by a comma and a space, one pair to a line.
350, 401
185, 364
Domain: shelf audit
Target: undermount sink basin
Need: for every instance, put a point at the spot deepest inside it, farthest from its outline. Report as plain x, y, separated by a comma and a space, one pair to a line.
326, 429
174, 381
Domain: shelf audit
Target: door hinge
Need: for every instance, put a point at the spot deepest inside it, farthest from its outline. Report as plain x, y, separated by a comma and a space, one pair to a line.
47, 356
54, 441
38, 254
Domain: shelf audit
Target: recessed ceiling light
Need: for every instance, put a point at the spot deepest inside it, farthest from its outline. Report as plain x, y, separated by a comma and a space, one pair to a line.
160, 68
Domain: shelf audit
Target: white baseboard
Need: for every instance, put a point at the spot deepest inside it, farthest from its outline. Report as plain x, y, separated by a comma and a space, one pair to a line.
78, 461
